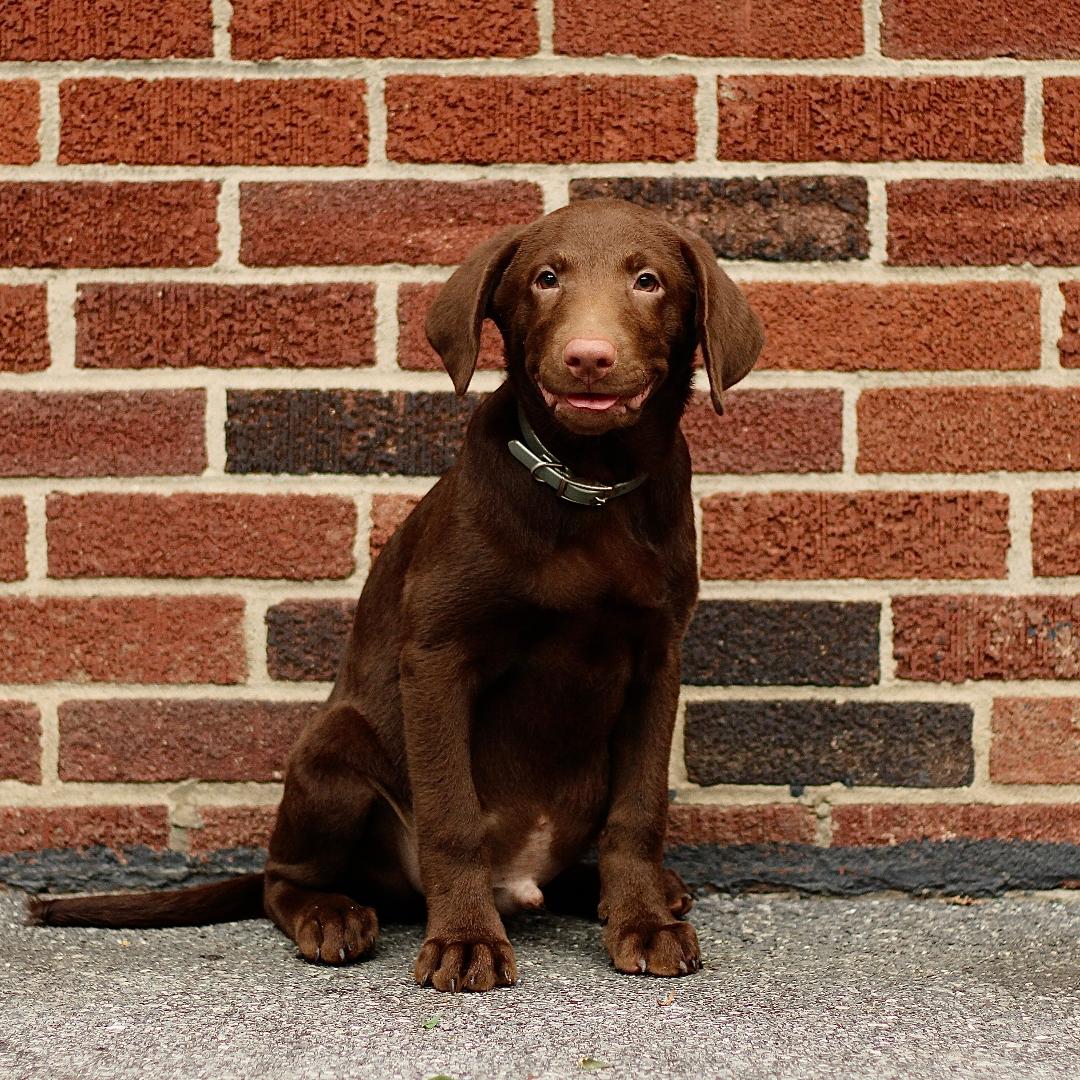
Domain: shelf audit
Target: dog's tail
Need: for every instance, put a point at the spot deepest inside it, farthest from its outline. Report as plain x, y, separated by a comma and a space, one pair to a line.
224, 901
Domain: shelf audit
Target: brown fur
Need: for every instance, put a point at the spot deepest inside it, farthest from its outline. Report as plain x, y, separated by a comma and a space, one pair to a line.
507, 696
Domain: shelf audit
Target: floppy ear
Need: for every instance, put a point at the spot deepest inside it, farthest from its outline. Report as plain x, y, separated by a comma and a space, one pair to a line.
455, 318
729, 332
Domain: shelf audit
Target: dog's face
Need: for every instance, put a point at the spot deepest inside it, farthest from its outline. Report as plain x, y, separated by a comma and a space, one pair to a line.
600, 305
595, 305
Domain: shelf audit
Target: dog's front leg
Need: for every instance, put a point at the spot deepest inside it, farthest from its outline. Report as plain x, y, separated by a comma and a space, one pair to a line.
640, 933
465, 946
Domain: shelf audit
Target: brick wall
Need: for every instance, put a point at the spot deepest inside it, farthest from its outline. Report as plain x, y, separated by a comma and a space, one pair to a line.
220, 226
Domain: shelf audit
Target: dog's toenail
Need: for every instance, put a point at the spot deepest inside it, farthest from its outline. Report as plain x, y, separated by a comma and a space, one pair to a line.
682, 966
453, 986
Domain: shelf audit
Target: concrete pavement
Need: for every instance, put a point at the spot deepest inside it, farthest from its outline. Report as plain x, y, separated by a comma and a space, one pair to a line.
883, 986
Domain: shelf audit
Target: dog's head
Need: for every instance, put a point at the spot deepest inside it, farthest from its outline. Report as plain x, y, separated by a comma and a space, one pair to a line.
601, 305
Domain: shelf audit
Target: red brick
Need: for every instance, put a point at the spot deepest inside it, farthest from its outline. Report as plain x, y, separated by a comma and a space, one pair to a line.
37, 828
91, 223
559, 119
414, 352
12, 538
132, 639
772, 824
775, 28
866, 534
969, 429
19, 115
298, 537
954, 638
105, 29
984, 222
373, 221
20, 742
863, 118
887, 825
765, 431
231, 827
387, 513
1061, 121
148, 740
1069, 342
1055, 533
24, 328
213, 121
263, 29
173, 324
826, 326
970, 29
133, 433
1035, 741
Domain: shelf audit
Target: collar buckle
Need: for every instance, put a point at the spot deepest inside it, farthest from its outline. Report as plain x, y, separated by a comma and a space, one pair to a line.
545, 468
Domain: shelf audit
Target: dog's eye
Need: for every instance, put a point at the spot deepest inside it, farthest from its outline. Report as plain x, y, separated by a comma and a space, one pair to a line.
646, 282
546, 279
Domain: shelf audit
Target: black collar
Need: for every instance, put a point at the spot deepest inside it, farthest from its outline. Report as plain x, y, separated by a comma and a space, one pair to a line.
546, 468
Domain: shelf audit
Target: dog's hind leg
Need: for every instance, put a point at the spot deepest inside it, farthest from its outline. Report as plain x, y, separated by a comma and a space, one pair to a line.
329, 791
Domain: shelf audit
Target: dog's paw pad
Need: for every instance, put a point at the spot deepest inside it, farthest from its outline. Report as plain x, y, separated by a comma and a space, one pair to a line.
653, 947
335, 931
467, 963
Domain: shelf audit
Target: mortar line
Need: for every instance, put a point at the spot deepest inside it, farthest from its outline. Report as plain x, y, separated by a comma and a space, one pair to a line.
37, 569
48, 121
539, 63
1034, 152
545, 26
61, 295
380, 168
215, 432
707, 121
871, 17
1020, 551
1052, 308
980, 739
386, 327
228, 219
222, 15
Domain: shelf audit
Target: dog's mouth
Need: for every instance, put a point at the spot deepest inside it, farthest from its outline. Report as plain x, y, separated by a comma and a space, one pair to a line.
593, 402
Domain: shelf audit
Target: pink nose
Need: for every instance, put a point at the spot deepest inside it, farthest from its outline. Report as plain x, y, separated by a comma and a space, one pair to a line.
589, 358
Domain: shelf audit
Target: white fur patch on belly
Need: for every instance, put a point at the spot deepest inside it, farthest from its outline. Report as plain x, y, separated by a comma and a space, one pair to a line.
516, 883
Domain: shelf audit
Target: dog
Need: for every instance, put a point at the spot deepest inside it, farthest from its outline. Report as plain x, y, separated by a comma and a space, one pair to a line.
507, 696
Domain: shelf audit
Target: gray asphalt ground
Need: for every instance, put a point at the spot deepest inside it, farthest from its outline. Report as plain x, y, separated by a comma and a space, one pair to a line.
885, 986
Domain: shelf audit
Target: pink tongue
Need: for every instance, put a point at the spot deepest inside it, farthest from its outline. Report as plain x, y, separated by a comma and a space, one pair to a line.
598, 402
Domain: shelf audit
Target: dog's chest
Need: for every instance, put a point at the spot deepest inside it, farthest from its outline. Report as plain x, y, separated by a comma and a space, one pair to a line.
605, 566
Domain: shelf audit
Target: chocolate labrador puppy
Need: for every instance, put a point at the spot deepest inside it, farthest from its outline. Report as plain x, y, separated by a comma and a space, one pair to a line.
507, 695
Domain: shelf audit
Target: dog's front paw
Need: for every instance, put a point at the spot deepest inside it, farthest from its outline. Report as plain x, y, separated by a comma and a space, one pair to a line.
465, 962
649, 945
335, 930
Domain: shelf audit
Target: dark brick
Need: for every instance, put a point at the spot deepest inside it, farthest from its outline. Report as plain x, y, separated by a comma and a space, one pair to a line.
344, 431
908, 744
305, 638
784, 219
781, 643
